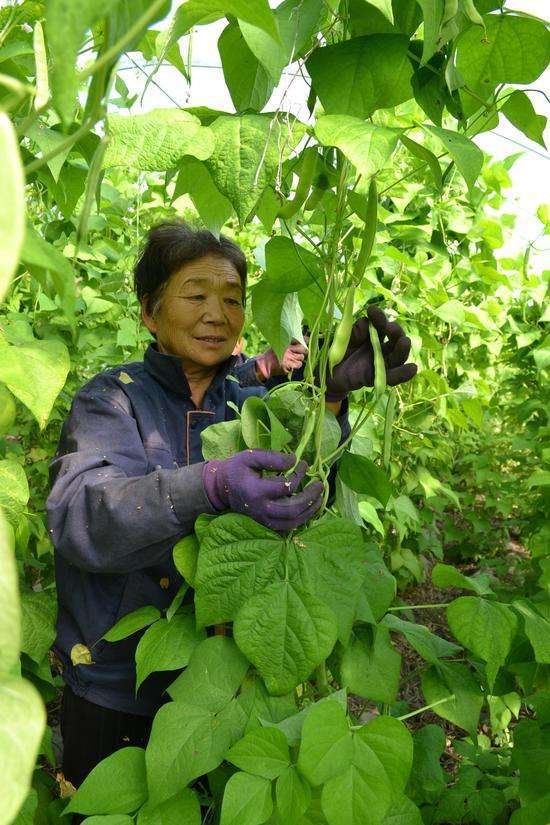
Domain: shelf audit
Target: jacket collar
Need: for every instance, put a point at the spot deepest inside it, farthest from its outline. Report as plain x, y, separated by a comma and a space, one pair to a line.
167, 370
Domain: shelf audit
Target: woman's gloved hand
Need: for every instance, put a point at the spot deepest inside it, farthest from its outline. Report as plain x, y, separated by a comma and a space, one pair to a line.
268, 365
356, 369
236, 484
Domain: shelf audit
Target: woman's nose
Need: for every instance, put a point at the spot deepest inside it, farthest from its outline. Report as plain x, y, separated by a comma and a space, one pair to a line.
214, 310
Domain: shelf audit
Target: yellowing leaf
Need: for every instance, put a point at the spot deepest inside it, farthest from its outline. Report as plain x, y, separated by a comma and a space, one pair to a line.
81, 655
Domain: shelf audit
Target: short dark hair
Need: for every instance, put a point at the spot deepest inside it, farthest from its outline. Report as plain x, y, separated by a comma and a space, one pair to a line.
168, 247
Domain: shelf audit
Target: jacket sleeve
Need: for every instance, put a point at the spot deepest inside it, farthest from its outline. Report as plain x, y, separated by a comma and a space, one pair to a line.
106, 512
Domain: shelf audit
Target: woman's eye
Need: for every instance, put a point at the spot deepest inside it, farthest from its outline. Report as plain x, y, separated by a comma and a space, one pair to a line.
234, 302
195, 297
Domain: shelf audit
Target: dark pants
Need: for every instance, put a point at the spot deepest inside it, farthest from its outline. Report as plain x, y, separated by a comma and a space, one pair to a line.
90, 733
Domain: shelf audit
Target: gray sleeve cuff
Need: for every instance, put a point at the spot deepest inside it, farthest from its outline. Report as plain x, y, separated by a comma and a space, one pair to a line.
188, 495
246, 374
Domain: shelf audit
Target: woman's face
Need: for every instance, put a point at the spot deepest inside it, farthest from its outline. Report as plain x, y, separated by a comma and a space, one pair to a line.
201, 313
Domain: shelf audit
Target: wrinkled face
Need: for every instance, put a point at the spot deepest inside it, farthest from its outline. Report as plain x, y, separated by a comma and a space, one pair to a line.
201, 313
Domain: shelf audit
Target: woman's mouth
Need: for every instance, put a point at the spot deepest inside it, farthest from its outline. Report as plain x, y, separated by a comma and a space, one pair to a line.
211, 340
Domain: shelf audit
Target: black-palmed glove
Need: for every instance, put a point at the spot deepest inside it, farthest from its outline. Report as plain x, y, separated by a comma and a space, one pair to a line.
356, 369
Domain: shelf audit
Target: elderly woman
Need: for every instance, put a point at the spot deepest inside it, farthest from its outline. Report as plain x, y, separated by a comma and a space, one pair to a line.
129, 480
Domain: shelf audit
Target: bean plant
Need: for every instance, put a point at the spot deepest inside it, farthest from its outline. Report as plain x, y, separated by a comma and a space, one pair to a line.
288, 705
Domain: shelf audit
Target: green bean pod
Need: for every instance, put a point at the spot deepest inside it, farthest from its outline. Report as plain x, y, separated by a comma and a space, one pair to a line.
472, 13
91, 189
379, 366
369, 233
450, 10
388, 424
304, 184
343, 332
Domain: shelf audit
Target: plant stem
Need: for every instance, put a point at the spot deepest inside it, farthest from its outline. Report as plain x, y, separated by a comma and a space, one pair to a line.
321, 679
419, 606
427, 707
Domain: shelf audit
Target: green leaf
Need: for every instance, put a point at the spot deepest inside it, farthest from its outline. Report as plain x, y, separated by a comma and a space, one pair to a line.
379, 588
246, 156
187, 741
185, 555
367, 146
427, 644
370, 667
238, 558
263, 752
213, 676
117, 785
110, 819
445, 575
393, 745
22, 725
176, 602
385, 6
246, 800
467, 156
361, 75
12, 206
260, 427
35, 372
326, 748
537, 630
432, 13
403, 812
47, 140
14, 490
454, 678
425, 155
520, 112
536, 813
10, 626
156, 140
362, 475
166, 645
197, 12
485, 628
361, 794
213, 208
292, 794
285, 632
132, 622
513, 49
42, 258
433, 487
427, 781
291, 725
291, 267
277, 316
452, 311
221, 441
249, 84
38, 615
182, 807
530, 757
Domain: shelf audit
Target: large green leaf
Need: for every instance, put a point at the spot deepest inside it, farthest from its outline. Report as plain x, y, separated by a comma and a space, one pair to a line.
370, 667
38, 615
486, 628
427, 779
156, 140
363, 793
117, 785
362, 75
513, 49
362, 475
14, 490
293, 795
213, 676
445, 575
467, 156
520, 112
426, 643
537, 630
182, 807
246, 155
403, 812
367, 146
12, 204
393, 745
35, 372
285, 632
432, 14
166, 645
132, 622
277, 315
263, 752
22, 724
246, 800
446, 680
326, 748
249, 84
10, 621
48, 140
186, 742
291, 267
213, 208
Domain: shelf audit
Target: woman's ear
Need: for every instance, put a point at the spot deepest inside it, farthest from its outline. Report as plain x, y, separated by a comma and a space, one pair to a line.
148, 319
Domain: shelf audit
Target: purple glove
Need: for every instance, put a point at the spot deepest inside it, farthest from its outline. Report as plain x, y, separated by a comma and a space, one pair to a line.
237, 484
356, 369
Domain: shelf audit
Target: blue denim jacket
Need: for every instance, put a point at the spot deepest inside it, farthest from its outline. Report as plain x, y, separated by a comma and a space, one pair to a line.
126, 485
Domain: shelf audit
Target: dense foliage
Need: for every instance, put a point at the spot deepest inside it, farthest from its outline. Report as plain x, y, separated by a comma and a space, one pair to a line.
303, 713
